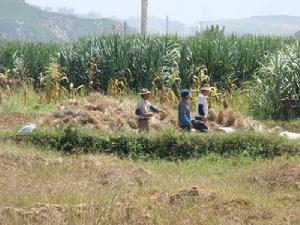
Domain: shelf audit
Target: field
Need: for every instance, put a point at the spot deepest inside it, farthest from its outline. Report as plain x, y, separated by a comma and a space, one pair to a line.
86, 163
43, 187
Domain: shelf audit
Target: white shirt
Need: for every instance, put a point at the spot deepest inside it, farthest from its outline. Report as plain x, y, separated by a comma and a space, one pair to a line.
201, 100
144, 106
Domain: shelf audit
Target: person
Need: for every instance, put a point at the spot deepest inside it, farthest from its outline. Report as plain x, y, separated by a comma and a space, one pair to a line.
144, 111
202, 109
184, 113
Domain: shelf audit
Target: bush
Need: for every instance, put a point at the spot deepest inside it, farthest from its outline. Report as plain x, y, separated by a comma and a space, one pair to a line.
170, 146
276, 92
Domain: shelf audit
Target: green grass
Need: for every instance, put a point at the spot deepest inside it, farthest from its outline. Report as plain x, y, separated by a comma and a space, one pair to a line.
25, 100
167, 145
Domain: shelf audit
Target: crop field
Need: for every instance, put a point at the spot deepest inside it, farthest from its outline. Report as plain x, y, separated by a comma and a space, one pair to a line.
86, 162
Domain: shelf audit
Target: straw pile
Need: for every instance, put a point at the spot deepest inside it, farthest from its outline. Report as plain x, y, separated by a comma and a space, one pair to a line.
111, 114
106, 114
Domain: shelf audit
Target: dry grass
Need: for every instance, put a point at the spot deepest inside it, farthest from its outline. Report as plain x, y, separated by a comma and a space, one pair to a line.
106, 114
48, 188
117, 114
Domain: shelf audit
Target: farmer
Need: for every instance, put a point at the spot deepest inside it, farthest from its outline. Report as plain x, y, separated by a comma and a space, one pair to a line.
145, 110
202, 109
184, 113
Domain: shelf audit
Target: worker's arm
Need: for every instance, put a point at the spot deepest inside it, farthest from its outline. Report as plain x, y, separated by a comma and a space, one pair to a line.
155, 110
138, 112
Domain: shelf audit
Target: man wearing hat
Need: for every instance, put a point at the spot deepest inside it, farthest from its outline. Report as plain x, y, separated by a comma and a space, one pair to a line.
184, 113
144, 111
202, 108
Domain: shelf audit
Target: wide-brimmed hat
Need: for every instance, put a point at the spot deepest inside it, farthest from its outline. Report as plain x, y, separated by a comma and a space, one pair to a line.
186, 93
206, 87
145, 91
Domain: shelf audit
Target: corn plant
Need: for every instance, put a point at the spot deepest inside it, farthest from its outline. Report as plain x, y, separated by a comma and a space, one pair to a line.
276, 89
51, 82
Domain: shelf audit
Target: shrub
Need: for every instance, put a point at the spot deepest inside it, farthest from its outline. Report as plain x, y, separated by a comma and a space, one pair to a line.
170, 146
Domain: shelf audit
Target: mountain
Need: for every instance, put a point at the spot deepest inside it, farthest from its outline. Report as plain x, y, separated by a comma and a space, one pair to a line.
297, 34
280, 25
21, 21
263, 25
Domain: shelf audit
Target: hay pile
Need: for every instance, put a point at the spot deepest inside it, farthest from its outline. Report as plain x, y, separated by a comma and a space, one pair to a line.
111, 114
106, 114
227, 118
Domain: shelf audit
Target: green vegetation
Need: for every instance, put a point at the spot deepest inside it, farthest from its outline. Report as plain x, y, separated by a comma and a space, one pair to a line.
24, 100
276, 93
116, 64
167, 145
140, 59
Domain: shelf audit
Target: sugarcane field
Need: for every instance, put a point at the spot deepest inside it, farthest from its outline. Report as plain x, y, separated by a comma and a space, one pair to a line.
143, 120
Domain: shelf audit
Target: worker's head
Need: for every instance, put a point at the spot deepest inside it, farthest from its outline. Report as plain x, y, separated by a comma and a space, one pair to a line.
205, 89
145, 93
186, 94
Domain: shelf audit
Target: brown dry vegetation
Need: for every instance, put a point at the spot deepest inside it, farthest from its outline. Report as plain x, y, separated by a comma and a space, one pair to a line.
111, 114
117, 114
48, 188
106, 114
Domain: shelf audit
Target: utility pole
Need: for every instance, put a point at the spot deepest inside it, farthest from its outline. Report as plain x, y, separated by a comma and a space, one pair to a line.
125, 27
167, 25
144, 17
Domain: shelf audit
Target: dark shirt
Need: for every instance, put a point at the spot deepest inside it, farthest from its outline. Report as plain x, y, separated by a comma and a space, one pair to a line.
184, 114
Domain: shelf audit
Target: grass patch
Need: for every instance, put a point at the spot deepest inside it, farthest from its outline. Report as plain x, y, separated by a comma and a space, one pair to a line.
167, 145
25, 100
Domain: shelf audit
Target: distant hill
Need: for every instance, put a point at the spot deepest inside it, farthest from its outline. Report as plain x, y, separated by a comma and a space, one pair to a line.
159, 26
21, 21
274, 25
261, 25
297, 34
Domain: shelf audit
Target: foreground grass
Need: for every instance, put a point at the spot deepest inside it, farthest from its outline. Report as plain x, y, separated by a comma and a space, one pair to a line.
45, 187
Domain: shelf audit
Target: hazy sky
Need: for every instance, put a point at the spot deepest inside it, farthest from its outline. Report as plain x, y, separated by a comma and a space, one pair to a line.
187, 11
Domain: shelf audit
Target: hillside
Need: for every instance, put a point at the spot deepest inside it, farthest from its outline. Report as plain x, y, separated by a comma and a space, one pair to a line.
21, 21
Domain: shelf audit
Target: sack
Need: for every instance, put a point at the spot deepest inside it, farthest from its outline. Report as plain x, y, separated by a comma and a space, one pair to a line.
199, 125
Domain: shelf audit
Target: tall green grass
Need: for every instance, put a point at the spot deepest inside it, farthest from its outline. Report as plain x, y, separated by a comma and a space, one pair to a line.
140, 59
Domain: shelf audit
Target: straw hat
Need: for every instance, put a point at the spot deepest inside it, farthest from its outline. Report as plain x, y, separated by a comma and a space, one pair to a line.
206, 87
145, 91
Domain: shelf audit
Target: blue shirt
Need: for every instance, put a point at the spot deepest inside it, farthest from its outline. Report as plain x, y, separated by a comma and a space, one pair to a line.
184, 114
